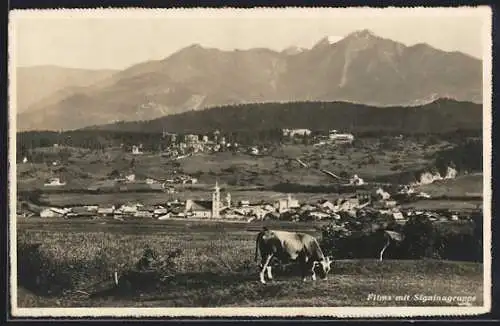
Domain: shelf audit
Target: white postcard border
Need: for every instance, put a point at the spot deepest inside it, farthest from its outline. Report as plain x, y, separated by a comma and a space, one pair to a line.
483, 11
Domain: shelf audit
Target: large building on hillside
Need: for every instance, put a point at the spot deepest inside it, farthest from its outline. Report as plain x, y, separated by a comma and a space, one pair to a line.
340, 138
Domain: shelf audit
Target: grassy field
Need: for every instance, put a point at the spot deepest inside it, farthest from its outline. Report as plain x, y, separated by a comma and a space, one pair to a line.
216, 268
461, 187
466, 186
74, 199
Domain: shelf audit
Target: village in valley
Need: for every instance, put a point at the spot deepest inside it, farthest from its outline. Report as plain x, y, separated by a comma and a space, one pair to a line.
356, 198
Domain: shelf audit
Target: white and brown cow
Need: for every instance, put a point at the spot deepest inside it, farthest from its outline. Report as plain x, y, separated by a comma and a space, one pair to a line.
291, 246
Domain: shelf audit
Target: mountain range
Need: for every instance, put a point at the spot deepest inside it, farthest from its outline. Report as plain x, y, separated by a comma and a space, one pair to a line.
360, 68
39, 86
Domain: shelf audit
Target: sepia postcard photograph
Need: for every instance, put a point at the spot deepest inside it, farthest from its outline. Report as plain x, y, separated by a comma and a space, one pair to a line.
315, 162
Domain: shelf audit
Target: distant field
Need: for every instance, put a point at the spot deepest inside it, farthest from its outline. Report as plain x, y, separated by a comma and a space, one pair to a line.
157, 226
70, 199
457, 205
75, 199
217, 268
468, 185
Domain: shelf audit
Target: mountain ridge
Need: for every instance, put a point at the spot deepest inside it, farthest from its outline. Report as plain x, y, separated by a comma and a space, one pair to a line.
442, 115
38, 83
360, 68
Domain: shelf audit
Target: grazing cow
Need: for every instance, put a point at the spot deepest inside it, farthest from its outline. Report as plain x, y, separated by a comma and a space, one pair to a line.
291, 246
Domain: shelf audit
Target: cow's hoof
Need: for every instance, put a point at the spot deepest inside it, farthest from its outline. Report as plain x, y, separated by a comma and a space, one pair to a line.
263, 282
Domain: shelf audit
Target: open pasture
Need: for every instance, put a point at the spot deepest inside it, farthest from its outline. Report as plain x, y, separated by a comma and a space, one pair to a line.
215, 268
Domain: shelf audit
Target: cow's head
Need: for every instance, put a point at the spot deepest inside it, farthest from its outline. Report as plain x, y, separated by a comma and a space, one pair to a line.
323, 267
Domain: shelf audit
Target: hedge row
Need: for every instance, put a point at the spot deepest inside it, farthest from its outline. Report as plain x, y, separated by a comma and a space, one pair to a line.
421, 238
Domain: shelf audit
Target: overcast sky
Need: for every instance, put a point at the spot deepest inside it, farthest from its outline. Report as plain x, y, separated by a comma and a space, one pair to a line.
118, 39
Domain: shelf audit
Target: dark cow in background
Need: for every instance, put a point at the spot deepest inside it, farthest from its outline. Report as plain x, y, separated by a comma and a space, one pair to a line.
295, 246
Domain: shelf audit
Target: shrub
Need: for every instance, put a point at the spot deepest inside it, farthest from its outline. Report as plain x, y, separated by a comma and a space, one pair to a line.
421, 239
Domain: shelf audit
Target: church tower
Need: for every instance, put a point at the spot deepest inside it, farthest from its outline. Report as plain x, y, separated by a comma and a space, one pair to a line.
216, 201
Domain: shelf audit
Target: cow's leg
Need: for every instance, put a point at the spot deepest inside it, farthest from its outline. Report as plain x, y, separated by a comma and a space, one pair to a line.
264, 268
269, 274
312, 266
383, 249
303, 267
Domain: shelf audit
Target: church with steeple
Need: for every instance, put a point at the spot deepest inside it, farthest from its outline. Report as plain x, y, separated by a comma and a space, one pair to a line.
216, 206
210, 209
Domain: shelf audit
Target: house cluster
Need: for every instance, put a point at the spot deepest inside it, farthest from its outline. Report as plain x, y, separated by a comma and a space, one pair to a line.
128, 182
194, 143
181, 179
375, 204
136, 210
296, 132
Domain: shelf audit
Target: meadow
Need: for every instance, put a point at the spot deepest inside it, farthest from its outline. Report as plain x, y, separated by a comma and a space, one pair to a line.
212, 265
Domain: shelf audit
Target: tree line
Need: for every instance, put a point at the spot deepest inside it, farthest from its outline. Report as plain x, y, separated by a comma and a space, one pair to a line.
441, 116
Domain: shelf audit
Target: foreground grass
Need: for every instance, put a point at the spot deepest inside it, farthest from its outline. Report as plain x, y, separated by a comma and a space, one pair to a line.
216, 268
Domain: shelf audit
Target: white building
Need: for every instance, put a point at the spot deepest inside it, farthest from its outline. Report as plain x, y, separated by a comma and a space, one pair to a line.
346, 204
191, 139
136, 150
340, 138
296, 132
106, 211
254, 151
284, 205
383, 194
54, 182
244, 203
160, 211
357, 181
451, 173
54, 212
319, 215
